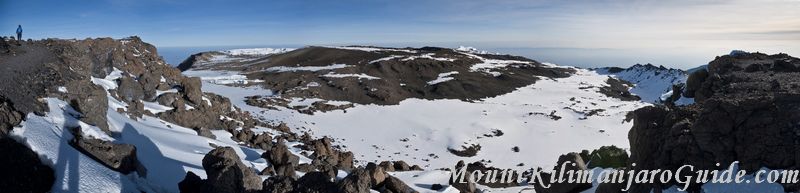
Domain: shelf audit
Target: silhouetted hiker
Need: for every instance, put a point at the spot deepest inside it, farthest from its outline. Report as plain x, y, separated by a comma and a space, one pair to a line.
19, 32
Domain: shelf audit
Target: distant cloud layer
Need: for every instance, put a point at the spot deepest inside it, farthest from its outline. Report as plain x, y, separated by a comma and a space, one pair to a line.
655, 30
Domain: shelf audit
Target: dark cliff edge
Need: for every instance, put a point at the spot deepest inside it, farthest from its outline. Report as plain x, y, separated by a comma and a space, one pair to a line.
746, 109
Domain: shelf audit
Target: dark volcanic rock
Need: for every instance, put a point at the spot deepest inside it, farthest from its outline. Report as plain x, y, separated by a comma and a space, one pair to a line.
191, 87
395, 185
91, 101
377, 174
119, 157
357, 181
387, 166
282, 160
194, 58
9, 117
618, 89
227, 173
205, 116
401, 166
279, 184
694, 82
149, 81
129, 90
315, 182
205, 133
467, 151
746, 109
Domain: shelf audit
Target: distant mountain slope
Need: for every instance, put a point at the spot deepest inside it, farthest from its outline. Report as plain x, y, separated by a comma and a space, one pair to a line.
651, 82
374, 75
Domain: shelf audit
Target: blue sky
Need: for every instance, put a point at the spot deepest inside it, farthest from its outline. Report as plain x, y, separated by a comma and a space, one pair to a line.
678, 33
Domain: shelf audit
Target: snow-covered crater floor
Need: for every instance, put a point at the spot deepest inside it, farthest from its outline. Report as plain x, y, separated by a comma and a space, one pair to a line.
420, 131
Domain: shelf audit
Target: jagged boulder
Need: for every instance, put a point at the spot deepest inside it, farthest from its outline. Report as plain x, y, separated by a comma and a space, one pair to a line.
129, 90
282, 160
227, 173
357, 181
694, 82
401, 165
149, 81
91, 101
392, 184
387, 166
8, 117
191, 88
119, 157
174, 100
377, 175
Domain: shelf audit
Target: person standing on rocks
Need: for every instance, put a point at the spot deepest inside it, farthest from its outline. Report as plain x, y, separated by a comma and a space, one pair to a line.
19, 32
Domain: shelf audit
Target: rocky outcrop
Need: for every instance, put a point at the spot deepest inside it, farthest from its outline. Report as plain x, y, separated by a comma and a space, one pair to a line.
91, 101
281, 160
694, 82
647, 81
9, 117
191, 87
227, 173
359, 180
746, 109
194, 58
392, 184
326, 154
213, 112
279, 184
466, 151
619, 89
119, 157
129, 90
